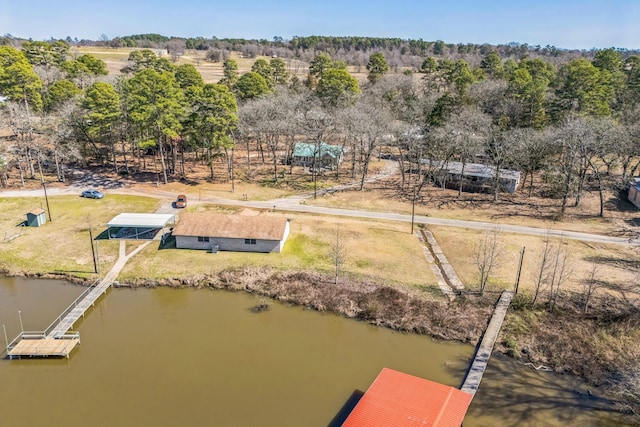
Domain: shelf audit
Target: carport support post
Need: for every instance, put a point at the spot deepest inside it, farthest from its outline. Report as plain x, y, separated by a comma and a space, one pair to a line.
97, 258
93, 252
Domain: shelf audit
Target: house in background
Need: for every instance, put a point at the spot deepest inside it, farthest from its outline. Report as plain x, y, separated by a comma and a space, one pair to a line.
317, 154
634, 192
238, 233
475, 176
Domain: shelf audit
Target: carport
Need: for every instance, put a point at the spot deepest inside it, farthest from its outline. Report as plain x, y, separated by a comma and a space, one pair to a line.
138, 226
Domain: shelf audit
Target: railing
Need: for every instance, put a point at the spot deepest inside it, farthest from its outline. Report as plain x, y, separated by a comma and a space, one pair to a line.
27, 335
38, 335
68, 310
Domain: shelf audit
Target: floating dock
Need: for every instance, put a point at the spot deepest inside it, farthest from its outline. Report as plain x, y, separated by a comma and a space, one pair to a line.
56, 340
35, 345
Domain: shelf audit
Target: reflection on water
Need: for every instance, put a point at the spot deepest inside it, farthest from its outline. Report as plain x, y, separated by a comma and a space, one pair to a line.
515, 395
184, 357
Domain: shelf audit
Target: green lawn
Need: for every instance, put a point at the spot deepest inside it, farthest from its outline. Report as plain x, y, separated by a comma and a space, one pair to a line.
62, 245
381, 251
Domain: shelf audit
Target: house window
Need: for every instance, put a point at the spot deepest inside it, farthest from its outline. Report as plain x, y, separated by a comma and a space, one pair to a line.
203, 239
249, 241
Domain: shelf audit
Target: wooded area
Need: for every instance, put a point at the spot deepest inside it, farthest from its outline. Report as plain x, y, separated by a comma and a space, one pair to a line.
563, 116
569, 121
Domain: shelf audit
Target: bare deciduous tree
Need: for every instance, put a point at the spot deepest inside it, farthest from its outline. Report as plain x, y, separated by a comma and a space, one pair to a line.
338, 253
531, 152
487, 256
590, 284
468, 133
559, 272
543, 269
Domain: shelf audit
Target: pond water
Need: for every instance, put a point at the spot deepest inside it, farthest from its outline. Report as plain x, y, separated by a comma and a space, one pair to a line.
185, 357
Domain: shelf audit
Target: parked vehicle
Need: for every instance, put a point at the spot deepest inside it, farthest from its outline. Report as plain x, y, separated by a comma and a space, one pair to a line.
92, 194
181, 201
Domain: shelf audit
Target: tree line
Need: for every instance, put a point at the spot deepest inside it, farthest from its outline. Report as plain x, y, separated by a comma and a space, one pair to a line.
352, 50
575, 125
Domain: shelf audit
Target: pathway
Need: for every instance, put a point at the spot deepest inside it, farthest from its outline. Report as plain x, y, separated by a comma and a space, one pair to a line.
446, 277
480, 361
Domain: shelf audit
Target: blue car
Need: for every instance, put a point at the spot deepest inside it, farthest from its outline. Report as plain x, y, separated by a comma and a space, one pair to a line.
93, 194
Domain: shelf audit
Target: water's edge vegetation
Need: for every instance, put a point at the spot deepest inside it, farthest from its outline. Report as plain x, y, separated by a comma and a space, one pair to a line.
554, 340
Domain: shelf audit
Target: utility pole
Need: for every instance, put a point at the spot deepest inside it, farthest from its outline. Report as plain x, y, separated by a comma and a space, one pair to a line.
44, 186
233, 182
93, 252
413, 209
517, 284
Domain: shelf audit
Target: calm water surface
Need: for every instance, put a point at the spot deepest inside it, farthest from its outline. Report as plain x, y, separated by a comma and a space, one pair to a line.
184, 357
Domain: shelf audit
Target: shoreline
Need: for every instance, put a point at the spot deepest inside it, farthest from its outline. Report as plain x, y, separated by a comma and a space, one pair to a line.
406, 310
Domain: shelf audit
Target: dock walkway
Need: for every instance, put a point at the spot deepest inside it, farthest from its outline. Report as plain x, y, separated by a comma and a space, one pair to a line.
474, 375
446, 277
56, 340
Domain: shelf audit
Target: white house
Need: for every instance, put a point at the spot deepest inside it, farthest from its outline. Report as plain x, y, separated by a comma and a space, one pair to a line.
237, 233
634, 193
476, 176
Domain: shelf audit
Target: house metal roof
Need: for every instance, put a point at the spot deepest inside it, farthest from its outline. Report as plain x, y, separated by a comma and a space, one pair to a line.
141, 220
231, 226
396, 399
307, 149
474, 169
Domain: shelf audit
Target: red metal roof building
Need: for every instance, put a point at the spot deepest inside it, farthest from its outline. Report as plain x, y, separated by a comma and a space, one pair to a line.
396, 399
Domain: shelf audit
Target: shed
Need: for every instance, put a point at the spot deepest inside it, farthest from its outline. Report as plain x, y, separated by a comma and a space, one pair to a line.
36, 217
239, 233
396, 399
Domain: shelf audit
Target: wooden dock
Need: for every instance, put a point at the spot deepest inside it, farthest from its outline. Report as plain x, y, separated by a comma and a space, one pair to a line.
56, 340
29, 345
474, 375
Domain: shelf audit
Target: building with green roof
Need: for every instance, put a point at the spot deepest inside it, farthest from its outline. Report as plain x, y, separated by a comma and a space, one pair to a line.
317, 154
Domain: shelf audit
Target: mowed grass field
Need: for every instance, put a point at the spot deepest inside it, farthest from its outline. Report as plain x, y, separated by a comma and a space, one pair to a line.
211, 72
612, 261
384, 252
62, 246
379, 251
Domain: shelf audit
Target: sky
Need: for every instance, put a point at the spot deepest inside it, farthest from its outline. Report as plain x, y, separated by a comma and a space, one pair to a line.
569, 24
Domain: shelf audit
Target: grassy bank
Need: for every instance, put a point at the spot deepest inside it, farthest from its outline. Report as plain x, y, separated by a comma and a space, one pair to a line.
398, 308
